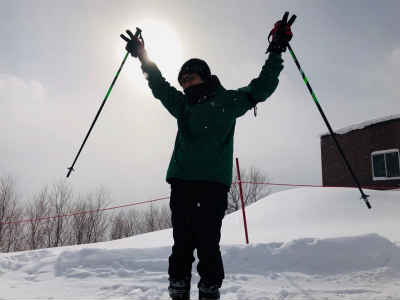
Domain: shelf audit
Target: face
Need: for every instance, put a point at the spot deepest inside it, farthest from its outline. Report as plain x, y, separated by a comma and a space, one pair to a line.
190, 79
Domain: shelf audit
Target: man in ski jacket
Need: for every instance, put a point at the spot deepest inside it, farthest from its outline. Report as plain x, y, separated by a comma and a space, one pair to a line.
200, 169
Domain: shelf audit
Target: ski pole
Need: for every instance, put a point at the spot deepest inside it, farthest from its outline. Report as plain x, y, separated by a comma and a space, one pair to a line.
70, 169
363, 195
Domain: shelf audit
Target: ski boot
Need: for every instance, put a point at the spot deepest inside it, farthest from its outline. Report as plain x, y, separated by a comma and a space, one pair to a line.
208, 292
179, 289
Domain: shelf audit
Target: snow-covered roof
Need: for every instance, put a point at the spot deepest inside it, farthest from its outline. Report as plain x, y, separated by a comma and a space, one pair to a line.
364, 124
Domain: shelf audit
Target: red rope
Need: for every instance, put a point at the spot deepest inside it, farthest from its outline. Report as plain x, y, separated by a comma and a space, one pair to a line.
154, 200
319, 186
80, 212
281, 184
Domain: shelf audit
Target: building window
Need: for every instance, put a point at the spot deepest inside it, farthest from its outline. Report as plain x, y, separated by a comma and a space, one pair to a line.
385, 164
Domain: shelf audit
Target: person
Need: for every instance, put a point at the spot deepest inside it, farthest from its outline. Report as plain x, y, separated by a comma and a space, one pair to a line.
200, 169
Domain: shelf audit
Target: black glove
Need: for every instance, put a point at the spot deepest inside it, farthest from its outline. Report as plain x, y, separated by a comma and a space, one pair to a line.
281, 34
135, 45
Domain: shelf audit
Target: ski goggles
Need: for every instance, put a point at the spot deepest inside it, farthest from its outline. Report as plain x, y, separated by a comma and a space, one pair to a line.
187, 77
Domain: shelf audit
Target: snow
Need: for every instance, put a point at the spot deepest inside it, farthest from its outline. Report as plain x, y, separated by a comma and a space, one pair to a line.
307, 243
364, 124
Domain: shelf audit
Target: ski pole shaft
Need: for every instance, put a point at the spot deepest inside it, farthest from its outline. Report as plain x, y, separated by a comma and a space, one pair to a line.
70, 169
363, 195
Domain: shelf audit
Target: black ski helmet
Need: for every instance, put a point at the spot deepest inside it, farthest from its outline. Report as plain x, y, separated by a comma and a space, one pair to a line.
197, 66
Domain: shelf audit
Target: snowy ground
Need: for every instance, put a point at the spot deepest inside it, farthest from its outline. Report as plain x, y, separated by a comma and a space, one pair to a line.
305, 244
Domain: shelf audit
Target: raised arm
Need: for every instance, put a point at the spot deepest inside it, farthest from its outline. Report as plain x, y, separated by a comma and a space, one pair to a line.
260, 88
172, 99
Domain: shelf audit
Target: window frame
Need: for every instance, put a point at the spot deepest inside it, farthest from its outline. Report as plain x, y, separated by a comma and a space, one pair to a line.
380, 152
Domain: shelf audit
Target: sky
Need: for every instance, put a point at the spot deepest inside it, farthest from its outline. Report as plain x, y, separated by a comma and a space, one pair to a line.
59, 58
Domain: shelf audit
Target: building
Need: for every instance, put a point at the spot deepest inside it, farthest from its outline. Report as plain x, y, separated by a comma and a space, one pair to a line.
372, 149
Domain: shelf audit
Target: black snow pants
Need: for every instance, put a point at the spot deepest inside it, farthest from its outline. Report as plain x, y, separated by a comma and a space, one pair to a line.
197, 211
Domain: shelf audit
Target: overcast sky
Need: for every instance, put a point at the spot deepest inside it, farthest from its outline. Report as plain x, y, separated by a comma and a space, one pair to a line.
58, 59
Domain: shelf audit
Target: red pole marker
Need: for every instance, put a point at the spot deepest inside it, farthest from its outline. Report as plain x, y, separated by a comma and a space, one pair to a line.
241, 198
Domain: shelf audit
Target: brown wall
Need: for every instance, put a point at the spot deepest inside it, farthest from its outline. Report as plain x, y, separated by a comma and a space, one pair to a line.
358, 146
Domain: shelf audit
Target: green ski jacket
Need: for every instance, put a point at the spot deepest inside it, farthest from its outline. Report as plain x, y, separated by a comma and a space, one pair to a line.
204, 143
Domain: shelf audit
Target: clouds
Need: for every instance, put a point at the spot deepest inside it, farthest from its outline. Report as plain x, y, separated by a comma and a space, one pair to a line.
21, 102
395, 57
18, 89
388, 74
394, 71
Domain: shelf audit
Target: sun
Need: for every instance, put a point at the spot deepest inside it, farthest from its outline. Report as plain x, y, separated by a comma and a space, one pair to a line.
163, 46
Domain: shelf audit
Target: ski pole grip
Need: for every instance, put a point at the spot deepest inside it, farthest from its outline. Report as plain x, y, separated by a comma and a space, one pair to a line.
291, 20
138, 32
284, 18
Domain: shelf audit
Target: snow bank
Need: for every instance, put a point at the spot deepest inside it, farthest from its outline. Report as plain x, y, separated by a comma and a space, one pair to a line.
361, 267
307, 255
294, 214
315, 212
282, 262
315, 256
105, 263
